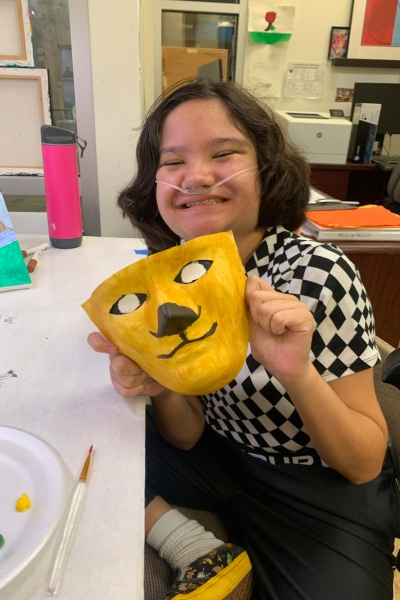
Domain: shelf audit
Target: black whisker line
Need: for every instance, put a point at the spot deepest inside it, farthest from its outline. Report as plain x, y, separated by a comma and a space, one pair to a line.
209, 332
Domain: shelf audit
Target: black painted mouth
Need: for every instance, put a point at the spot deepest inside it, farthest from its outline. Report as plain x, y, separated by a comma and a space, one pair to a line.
185, 341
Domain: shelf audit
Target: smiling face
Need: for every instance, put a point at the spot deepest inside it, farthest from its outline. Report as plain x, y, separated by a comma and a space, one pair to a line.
180, 314
200, 146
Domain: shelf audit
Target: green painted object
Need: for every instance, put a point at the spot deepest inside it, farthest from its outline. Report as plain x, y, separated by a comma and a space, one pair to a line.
13, 271
269, 37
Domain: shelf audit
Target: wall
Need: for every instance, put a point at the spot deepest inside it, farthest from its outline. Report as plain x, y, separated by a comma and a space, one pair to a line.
309, 43
115, 38
147, 53
114, 44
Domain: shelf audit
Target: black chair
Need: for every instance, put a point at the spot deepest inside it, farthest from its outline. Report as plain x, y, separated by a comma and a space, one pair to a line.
158, 576
392, 200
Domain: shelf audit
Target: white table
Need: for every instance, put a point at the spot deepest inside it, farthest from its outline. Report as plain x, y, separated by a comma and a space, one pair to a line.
62, 393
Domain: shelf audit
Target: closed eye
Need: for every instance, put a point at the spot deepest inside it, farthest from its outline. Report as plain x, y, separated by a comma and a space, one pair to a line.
193, 271
172, 163
224, 154
127, 304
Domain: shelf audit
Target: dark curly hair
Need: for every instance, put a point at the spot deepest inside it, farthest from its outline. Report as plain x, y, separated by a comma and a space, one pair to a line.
284, 173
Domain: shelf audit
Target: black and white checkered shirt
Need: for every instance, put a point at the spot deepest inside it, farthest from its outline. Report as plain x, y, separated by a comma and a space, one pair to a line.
254, 411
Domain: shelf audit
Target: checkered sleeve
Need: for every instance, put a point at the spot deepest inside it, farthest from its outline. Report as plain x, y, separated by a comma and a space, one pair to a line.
329, 284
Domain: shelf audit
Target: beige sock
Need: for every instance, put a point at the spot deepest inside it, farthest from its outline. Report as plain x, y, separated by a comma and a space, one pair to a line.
179, 540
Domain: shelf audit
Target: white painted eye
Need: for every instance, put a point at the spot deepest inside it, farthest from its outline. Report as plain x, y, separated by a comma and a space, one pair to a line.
127, 304
193, 271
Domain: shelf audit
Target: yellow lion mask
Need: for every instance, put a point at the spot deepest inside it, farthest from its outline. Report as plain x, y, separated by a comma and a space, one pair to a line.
179, 314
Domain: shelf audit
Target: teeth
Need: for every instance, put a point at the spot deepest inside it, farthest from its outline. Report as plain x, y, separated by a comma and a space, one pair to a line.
210, 201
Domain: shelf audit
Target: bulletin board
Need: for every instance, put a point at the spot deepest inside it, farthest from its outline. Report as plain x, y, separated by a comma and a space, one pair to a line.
180, 63
16, 47
24, 108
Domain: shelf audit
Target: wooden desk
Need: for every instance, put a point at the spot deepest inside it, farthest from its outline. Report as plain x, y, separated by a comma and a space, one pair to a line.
379, 267
365, 184
62, 393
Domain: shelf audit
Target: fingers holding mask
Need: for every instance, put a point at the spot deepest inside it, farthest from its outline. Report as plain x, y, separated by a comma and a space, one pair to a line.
127, 377
281, 326
99, 343
271, 310
276, 313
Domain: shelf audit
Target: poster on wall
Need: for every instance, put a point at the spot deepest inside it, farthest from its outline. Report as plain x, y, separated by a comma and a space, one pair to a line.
375, 30
270, 24
264, 70
304, 80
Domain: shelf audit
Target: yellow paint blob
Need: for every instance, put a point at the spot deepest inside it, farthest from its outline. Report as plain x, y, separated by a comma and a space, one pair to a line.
23, 503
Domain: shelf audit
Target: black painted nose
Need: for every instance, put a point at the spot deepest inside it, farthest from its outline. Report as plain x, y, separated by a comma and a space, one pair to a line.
174, 319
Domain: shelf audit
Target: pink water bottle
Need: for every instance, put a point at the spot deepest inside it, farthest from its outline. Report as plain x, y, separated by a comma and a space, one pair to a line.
61, 184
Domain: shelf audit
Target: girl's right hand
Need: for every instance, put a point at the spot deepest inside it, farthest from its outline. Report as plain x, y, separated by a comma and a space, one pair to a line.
127, 377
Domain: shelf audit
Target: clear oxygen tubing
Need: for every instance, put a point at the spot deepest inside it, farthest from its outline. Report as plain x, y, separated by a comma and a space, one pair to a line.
205, 190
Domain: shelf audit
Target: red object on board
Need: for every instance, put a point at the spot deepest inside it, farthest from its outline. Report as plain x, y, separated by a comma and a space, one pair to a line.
270, 16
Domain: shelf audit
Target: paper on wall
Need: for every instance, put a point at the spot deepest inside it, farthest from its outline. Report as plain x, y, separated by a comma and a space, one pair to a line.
304, 80
264, 70
270, 24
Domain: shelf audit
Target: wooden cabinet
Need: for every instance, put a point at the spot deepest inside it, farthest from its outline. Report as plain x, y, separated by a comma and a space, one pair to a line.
365, 184
377, 262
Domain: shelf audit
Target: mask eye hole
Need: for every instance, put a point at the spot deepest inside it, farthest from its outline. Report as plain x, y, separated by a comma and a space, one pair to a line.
193, 271
127, 304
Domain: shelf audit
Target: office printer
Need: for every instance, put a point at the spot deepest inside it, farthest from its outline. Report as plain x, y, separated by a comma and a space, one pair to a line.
322, 138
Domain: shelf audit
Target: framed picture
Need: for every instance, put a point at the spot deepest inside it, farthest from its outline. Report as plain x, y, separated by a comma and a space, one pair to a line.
338, 42
375, 30
24, 107
16, 47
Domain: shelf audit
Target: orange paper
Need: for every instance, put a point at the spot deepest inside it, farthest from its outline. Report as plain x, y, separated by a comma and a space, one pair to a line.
364, 216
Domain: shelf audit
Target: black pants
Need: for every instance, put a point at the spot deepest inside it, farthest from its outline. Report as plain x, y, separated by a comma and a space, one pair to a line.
309, 532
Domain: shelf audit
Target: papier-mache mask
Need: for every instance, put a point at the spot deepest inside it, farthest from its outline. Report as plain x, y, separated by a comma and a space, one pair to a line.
179, 314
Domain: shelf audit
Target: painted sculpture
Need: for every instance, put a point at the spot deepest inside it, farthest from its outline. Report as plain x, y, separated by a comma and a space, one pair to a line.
180, 314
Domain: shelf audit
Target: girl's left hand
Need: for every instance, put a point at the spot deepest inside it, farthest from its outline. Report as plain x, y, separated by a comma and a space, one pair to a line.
281, 329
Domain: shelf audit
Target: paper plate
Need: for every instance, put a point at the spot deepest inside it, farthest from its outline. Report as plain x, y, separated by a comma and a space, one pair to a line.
28, 465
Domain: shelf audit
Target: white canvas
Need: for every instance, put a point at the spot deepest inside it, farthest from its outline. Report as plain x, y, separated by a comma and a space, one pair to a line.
24, 108
16, 47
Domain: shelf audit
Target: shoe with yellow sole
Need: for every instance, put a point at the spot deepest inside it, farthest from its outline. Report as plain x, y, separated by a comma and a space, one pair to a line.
223, 574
